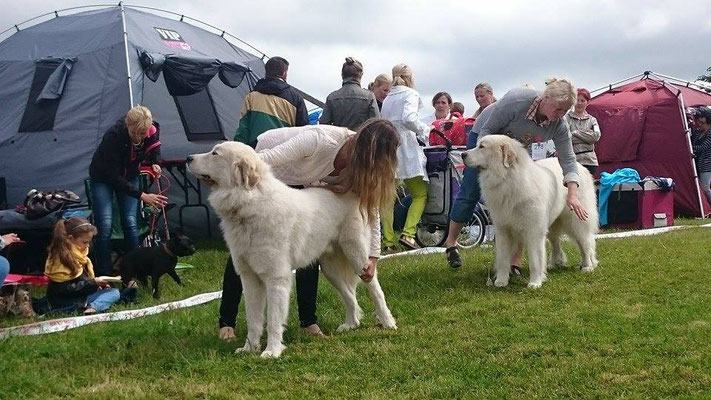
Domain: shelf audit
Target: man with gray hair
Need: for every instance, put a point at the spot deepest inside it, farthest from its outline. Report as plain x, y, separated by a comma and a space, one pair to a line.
529, 117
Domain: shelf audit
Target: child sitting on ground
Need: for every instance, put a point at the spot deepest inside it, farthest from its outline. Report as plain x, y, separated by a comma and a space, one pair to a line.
71, 274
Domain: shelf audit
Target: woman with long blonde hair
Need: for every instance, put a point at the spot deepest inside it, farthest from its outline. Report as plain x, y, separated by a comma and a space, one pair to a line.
361, 162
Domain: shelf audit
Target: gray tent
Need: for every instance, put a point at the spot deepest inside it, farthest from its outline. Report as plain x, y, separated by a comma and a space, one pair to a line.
65, 82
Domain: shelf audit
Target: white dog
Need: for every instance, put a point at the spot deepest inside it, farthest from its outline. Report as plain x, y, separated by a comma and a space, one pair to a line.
271, 229
527, 202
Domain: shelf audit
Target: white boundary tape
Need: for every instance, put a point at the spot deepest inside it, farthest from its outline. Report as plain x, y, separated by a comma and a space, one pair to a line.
58, 325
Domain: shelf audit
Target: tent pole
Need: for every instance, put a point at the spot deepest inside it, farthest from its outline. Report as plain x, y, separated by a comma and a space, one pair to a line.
608, 87
125, 48
687, 83
687, 134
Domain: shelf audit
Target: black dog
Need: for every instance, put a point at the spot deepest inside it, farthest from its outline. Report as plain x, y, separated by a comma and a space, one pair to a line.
155, 261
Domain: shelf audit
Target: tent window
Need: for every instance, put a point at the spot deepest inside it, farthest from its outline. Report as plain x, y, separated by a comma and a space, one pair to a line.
40, 111
198, 115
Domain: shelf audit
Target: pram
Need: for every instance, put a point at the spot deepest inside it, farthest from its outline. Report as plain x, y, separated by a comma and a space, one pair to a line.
445, 169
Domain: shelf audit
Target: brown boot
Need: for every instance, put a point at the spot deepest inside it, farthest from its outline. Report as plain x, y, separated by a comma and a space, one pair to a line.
23, 303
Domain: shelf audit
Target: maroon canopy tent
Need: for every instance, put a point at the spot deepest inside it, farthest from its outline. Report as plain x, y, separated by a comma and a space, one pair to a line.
644, 127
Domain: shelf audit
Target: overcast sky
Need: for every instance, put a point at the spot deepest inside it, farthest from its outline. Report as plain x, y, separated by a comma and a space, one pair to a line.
452, 45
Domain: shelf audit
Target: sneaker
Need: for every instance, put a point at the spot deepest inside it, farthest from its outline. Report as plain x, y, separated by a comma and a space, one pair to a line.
453, 258
408, 242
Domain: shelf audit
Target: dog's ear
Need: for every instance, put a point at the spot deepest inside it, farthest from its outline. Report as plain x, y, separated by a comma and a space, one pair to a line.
508, 155
245, 173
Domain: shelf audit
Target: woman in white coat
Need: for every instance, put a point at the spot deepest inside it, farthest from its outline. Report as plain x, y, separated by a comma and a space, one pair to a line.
403, 107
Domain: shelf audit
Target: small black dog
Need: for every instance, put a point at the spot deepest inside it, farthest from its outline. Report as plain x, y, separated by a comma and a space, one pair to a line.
155, 261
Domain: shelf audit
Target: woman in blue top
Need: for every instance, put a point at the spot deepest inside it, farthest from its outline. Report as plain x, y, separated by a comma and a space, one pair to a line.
531, 118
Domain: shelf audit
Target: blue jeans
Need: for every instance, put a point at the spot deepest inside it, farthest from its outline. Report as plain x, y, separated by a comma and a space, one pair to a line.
4, 269
469, 193
102, 199
705, 178
102, 299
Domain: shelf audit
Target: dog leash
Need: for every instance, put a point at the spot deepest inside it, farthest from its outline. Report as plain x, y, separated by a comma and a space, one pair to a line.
162, 207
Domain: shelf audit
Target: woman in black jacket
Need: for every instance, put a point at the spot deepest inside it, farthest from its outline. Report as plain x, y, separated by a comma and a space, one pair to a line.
114, 169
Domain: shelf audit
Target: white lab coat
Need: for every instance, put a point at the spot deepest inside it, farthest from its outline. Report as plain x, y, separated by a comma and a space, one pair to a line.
403, 107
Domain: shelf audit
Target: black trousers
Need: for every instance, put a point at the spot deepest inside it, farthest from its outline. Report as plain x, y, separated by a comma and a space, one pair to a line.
592, 169
306, 289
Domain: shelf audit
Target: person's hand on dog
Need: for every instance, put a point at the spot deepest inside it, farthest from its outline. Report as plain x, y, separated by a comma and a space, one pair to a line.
10, 238
369, 269
157, 169
155, 200
227, 333
573, 203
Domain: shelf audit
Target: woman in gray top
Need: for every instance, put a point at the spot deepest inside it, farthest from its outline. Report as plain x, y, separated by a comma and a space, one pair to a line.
351, 105
584, 131
532, 118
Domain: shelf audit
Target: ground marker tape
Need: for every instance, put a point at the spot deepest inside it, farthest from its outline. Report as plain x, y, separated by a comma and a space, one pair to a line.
58, 325
641, 232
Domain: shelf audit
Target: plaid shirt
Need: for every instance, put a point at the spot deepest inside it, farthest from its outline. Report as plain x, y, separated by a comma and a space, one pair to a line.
531, 113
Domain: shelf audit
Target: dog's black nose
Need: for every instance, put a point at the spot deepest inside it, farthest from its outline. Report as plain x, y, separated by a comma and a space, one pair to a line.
464, 155
189, 159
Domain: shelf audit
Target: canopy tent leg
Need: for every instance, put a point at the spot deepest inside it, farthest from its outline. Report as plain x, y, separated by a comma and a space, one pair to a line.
125, 47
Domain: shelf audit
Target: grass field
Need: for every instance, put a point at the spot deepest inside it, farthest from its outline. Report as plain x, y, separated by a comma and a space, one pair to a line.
636, 327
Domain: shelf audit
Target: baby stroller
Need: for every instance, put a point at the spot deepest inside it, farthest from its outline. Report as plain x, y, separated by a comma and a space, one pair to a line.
445, 169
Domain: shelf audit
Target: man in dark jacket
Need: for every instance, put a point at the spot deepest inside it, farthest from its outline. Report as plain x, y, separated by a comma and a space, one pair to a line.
272, 104
351, 105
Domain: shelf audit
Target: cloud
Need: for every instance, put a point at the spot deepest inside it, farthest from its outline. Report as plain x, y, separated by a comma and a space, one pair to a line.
452, 45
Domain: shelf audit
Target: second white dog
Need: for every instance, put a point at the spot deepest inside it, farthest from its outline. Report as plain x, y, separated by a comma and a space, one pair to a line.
271, 229
527, 202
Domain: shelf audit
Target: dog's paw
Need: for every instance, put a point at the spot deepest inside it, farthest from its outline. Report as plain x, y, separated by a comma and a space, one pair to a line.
535, 285
273, 352
501, 282
588, 269
247, 348
387, 322
347, 327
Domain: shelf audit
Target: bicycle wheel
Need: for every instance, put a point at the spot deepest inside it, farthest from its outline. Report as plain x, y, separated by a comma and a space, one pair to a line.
430, 235
472, 234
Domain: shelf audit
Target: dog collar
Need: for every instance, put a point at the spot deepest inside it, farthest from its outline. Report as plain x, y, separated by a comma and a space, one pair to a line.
167, 251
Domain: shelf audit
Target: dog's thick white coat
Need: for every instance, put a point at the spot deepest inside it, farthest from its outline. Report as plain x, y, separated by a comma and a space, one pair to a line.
271, 229
527, 202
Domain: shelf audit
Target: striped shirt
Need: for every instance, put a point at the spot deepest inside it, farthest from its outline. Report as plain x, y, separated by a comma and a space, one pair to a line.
531, 113
701, 144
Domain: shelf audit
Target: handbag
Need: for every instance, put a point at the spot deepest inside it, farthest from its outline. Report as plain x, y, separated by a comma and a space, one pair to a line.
38, 204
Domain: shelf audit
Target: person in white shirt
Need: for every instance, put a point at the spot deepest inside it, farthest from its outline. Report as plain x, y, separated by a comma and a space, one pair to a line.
403, 107
363, 162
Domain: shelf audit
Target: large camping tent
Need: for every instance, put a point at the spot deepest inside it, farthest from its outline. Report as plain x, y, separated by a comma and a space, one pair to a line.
66, 80
644, 127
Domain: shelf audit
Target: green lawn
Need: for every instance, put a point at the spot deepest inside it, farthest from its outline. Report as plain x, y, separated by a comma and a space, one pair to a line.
636, 327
